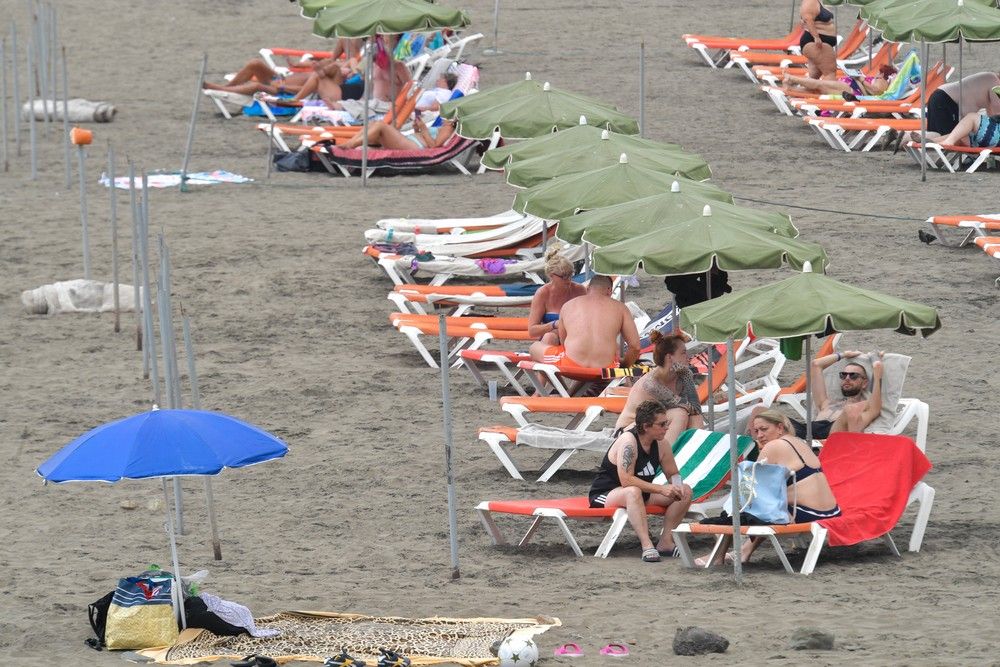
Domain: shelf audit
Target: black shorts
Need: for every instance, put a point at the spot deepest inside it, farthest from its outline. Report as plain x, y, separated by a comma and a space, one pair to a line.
807, 37
942, 112
352, 91
820, 429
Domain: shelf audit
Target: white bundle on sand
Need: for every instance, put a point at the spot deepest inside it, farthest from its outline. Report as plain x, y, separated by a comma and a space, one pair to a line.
80, 110
77, 296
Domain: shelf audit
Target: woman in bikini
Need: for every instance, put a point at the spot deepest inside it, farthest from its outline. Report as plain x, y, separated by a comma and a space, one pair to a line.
385, 135
819, 40
543, 318
811, 500
670, 383
850, 87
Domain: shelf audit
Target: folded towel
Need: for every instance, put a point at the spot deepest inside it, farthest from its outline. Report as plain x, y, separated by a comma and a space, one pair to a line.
80, 110
77, 296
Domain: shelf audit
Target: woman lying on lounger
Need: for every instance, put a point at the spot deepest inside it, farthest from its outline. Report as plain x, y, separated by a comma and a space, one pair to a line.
670, 383
385, 135
813, 499
543, 318
850, 87
626, 474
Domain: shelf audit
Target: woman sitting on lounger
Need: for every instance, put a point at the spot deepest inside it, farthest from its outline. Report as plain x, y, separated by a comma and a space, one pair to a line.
385, 135
978, 130
812, 498
850, 87
670, 383
626, 474
543, 318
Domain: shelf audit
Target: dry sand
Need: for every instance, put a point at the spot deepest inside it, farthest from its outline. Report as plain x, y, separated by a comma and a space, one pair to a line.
289, 324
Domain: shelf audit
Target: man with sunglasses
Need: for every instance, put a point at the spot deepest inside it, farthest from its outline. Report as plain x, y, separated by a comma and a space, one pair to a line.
855, 408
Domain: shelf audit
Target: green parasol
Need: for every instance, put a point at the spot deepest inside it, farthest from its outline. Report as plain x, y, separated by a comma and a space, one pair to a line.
582, 134
562, 197
310, 8
934, 20
535, 110
692, 246
602, 153
489, 98
604, 226
363, 18
808, 303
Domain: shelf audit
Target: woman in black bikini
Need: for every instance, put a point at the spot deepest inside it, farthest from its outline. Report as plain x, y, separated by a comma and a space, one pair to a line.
819, 40
812, 498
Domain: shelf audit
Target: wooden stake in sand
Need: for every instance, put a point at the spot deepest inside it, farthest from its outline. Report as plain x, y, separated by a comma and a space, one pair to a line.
194, 118
114, 237
81, 138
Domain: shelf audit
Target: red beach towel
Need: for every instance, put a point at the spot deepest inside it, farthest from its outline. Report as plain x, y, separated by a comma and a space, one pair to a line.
871, 477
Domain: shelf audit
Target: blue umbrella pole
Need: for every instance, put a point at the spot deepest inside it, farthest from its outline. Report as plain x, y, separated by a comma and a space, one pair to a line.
173, 557
446, 402
734, 473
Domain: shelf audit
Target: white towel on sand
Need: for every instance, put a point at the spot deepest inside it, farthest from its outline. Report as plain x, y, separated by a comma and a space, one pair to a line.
77, 296
80, 110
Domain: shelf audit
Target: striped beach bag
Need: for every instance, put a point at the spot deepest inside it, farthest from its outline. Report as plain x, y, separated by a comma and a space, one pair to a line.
702, 458
141, 614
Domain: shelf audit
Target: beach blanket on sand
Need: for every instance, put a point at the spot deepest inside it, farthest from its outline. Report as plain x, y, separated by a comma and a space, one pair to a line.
553, 437
871, 477
78, 110
77, 296
173, 179
315, 636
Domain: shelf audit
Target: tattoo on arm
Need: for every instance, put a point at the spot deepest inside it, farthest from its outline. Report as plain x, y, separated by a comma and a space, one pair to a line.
628, 457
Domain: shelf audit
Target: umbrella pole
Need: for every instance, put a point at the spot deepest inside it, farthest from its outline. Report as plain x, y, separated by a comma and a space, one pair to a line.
173, 556
135, 268
3, 103
711, 361
446, 402
494, 50
364, 130
925, 52
196, 404
149, 341
733, 472
642, 89
960, 76
114, 239
809, 424
194, 120
15, 85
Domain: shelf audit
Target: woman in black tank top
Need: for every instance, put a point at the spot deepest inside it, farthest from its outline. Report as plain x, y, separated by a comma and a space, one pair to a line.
626, 474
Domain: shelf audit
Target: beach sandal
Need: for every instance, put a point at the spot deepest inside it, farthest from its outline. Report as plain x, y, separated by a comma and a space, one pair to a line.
345, 659
392, 659
255, 660
568, 651
615, 650
650, 555
673, 553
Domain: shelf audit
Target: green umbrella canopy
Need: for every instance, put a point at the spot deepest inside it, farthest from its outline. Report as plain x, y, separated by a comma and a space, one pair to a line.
693, 245
564, 196
362, 18
611, 224
934, 20
310, 8
489, 98
602, 153
534, 111
807, 303
582, 134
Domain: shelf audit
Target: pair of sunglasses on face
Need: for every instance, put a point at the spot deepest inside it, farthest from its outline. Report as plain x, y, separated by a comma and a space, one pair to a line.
848, 375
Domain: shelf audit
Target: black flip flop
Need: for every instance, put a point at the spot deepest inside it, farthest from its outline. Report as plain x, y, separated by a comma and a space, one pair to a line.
255, 660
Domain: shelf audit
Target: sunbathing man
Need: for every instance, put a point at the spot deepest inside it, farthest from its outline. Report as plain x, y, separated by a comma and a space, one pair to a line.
855, 408
589, 327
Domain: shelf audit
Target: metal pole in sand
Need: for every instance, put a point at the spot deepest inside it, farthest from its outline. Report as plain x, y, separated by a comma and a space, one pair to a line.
364, 131
133, 204
196, 404
114, 238
81, 138
173, 554
194, 119
164, 317
733, 472
270, 149
41, 79
494, 50
642, 89
15, 88
446, 401
149, 341
710, 362
33, 140
53, 57
170, 336
65, 115
3, 103
809, 411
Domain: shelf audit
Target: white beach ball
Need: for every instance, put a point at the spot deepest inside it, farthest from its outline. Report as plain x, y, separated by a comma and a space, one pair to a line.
518, 652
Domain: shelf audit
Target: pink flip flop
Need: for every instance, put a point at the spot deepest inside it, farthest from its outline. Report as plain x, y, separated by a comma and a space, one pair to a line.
569, 651
615, 650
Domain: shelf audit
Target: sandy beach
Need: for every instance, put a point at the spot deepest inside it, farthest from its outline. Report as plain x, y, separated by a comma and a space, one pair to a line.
290, 332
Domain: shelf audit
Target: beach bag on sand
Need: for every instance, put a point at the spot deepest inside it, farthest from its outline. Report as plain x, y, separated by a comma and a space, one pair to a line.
141, 614
762, 492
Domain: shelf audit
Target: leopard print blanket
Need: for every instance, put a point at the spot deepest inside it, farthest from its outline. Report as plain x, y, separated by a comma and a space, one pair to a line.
317, 636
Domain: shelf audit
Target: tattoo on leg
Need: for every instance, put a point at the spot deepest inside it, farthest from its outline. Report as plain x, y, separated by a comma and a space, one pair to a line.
628, 457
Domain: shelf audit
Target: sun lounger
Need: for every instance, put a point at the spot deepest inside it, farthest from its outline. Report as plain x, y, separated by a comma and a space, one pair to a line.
848, 134
715, 49
462, 332
874, 479
953, 158
850, 46
448, 225
698, 455
958, 231
991, 246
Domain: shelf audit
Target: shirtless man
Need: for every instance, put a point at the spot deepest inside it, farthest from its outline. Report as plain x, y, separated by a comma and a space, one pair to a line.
855, 409
589, 326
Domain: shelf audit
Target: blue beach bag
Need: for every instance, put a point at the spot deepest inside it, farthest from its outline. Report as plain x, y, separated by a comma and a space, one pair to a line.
762, 491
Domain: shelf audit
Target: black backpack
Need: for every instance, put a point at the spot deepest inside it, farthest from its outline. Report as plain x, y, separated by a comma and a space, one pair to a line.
97, 612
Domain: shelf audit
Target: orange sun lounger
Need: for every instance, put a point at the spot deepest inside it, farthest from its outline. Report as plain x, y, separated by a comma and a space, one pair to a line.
715, 49
966, 228
749, 60
952, 157
991, 246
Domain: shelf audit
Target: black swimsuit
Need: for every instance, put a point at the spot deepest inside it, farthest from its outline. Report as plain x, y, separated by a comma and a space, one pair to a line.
607, 477
824, 16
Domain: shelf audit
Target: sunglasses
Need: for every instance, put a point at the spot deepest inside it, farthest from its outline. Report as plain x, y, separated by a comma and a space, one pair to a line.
845, 375
661, 423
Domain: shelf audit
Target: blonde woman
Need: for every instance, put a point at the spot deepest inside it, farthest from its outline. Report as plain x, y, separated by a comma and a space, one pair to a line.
543, 319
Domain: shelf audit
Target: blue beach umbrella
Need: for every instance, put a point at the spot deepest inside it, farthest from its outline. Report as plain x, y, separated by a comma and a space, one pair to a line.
162, 443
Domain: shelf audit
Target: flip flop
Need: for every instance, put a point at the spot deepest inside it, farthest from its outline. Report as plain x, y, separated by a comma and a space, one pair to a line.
345, 659
392, 659
255, 660
615, 650
674, 553
569, 651
650, 555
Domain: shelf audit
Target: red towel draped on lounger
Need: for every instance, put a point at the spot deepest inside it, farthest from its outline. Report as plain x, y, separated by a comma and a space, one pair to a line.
871, 477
